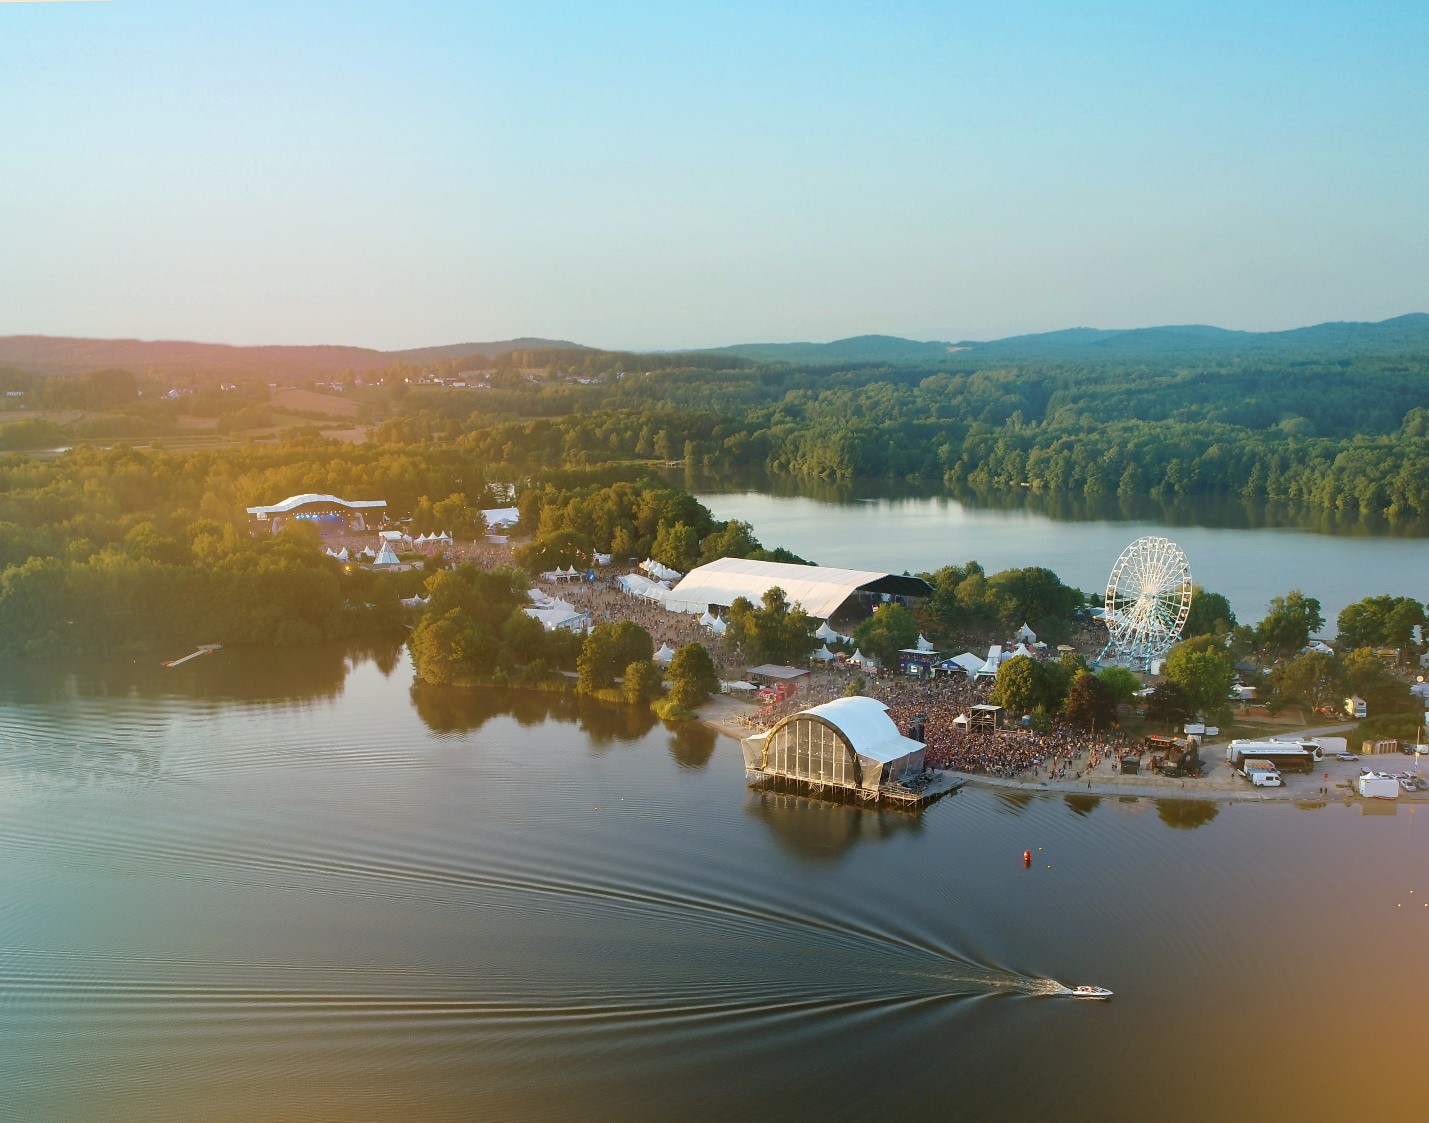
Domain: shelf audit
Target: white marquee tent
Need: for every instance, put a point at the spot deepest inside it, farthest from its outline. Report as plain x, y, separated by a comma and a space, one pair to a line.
818, 589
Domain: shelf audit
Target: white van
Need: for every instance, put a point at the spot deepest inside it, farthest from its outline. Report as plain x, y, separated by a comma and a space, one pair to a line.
1264, 777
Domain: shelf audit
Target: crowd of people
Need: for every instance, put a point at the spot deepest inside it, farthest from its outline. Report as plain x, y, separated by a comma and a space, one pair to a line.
940, 702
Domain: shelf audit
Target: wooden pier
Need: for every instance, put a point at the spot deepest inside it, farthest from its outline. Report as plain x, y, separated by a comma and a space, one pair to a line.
204, 649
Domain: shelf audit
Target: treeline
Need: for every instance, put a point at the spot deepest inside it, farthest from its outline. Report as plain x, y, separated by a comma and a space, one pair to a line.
126, 549
629, 520
1347, 436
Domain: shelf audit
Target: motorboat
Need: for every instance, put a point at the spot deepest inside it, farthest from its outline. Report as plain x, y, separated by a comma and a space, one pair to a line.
1090, 992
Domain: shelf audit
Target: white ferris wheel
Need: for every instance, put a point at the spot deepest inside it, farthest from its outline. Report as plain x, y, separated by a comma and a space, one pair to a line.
1148, 597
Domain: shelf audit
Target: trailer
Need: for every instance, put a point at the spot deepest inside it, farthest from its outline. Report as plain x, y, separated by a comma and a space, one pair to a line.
1288, 756
1376, 785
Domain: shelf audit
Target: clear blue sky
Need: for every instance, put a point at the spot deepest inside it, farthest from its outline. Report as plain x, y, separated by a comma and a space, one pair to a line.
659, 174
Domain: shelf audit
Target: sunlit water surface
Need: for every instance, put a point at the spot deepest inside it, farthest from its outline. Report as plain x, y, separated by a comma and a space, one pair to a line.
282, 885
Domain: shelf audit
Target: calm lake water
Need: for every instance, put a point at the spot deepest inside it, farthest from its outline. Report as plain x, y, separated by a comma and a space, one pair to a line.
1246, 552
286, 885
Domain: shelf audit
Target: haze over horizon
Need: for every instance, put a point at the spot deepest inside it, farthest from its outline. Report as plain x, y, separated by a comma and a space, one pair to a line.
629, 176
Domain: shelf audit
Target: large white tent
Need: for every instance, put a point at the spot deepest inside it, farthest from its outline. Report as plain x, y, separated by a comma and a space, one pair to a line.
818, 589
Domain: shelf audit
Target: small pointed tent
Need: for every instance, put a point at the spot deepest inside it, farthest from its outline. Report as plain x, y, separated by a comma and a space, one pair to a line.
824, 655
707, 621
1026, 634
342, 555
923, 644
664, 655
969, 662
994, 660
718, 627
858, 658
825, 633
386, 557
1022, 649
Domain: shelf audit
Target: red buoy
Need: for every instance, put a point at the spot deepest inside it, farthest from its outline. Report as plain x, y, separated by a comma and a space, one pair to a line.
1026, 858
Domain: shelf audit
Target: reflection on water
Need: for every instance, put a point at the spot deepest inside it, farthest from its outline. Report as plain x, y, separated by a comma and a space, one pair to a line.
353, 900
692, 744
1187, 814
818, 830
1203, 511
1082, 804
453, 709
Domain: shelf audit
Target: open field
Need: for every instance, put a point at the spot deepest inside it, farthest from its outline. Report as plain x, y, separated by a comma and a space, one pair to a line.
309, 401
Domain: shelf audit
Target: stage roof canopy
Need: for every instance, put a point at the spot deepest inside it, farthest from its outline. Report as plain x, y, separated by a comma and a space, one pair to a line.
818, 589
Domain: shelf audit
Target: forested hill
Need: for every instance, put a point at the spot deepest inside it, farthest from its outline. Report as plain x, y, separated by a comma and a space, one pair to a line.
48, 354
858, 349
1403, 333
1332, 340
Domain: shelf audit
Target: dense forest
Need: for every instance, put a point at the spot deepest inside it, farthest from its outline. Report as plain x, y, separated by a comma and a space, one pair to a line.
1347, 436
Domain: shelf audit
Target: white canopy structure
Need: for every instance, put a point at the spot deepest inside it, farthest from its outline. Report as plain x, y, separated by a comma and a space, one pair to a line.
993, 661
1022, 649
367, 553
343, 555
859, 659
387, 556
825, 633
847, 743
499, 517
718, 627
824, 655
664, 655
558, 614
604, 559
707, 621
818, 589
420, 540
969, 662
636, 586
1025, 634
738, 686
317, 502
415, 602
923, 644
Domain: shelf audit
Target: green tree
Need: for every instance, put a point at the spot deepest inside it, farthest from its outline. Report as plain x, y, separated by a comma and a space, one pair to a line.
1382, 621
607, 651
693, 677
1091, 704
1020, 685
772, 633
1382, 691
1316, 680
889, 630
1167, 706
641, 684
1210, 614
677, 546
1122, 683
1289, 624
1204, 671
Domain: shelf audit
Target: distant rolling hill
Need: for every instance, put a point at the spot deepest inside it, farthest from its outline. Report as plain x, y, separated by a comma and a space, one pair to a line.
1403, 333
45, 354
61, 355
857, 349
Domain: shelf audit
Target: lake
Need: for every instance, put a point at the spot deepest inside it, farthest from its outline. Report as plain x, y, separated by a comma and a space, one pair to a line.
1247, 552
291, 885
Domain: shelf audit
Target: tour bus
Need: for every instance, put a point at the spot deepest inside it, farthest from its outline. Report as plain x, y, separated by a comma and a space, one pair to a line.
1288, 756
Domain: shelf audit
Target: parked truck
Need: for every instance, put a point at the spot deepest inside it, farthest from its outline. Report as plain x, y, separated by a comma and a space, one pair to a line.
1356, 707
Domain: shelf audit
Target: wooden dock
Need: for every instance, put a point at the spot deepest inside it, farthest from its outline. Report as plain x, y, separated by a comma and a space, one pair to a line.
204, 649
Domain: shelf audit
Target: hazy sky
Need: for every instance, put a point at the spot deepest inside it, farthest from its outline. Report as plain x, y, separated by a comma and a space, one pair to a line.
684, 174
